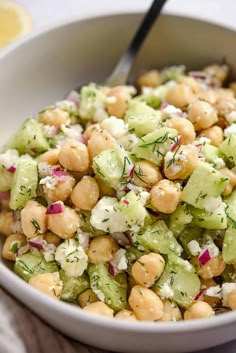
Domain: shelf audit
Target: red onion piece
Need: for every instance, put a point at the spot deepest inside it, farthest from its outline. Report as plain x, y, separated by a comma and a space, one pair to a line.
125, 202
36, 244
73, 97
5, 195
111, 269
54, 208
57, 172
164, 105
200, 294
198, 74
11, 169
204, 257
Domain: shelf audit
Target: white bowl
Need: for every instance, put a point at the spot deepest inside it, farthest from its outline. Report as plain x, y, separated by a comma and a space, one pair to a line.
40, 70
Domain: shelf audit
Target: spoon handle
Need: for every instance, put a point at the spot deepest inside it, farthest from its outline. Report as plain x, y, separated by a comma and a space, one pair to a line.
121, 71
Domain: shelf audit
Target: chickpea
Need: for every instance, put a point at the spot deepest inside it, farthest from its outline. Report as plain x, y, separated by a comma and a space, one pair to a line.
102, 249
171, 311
199, 310
165, 196
232, 86
180, 95
52, 238
117, 101
202, 115
218, 73
86, 193
147, 269
50, 157
213, 268
225, 105
99, 142
232, 181
99, 308
90, 130
212, 301
62, 190
151, 78
146, 174
185, 129
191, 82
54, 116
126, 315
209, 96
87, 297
181, 163
33, 219
232, 300
6, 222
215, 134
146, 305
74, 156
105, 189
48, 283
64, 224
12, 244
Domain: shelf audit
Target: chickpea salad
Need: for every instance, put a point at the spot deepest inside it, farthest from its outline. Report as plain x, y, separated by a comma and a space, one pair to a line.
122, 200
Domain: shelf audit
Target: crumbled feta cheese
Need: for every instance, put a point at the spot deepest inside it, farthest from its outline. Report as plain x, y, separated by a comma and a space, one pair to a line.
100, 114
44, 169
187, 266
230, 130
72, 258
166, 291
226, 289
203, 140
212, 248
170, 111
119, 260
49, 251
194, 247
218, 163
215, 291
231, 117
212, 204
128, 141
83, 239
66, 105
50, 130
9, 159
97, 291
49, 181
105, 216
116, 127
169, 156
74, 131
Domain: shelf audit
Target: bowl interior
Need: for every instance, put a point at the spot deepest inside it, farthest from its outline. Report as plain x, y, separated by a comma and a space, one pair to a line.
42, 69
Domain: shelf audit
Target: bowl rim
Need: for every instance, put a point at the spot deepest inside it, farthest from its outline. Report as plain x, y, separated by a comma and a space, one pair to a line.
9, 280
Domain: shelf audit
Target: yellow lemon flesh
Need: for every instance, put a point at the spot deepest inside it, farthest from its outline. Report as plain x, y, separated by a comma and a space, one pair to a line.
14, 22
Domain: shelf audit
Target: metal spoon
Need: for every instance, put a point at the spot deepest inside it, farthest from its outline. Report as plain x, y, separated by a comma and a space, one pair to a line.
120, 73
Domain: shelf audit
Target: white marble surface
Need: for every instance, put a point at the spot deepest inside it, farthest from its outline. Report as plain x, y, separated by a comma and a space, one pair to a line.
47, 12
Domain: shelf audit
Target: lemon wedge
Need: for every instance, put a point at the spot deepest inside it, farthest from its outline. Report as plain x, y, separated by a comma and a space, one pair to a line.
14, 22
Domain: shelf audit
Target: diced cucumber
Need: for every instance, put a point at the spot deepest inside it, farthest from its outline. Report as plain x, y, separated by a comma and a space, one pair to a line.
6, 179
158, 238
141, 118
29, 265
228, 275
110, 289
29, 138
179, 219
155, 145
228, 148
181, 279
24, 184
133, 211
210, 220
229, 245
109, 167
150, 97
204, 183
73, 286
91, 98
86, 226
173, 73
231, 208
189, 233
212, 155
